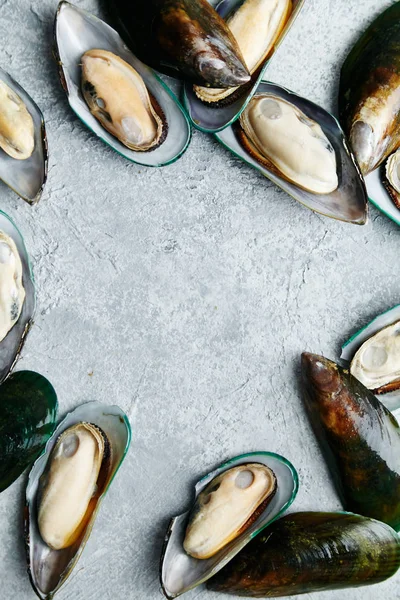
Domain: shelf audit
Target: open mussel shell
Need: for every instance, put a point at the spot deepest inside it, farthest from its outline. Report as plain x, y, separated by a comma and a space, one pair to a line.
48, 569
10, 346
28, 413
390, 399
379, 195
349, 201
26, 177
210, 118
310, 552
181, 572
76, 32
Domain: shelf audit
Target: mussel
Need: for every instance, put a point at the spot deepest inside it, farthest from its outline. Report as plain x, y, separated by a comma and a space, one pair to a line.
360, 439
182, 38
117, 96
23, 143
232, 505
66, 487
16, 125
260, 26
256, 25
227, 507
301, 148
114, 94
372, 356
309, 552
28, 412
369, 96
391, 177
17, 294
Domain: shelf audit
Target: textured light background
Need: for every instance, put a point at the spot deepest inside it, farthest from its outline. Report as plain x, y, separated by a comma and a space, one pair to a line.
185, 295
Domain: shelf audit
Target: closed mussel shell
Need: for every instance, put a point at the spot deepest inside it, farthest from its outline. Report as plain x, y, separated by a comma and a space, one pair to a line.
28, 413
309, 552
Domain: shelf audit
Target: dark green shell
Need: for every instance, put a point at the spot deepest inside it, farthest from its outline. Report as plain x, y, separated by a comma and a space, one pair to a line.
28, 412
182, 38
359, 437
310, 551
372, 69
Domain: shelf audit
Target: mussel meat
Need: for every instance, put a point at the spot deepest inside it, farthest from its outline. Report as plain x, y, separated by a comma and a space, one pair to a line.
369, 97
71, 486
12, 292
117, 96
28, 412
256, 25
377, 362
281, 137
227, 507
359, 437
17, 136
312, 551
183, 38
391, 177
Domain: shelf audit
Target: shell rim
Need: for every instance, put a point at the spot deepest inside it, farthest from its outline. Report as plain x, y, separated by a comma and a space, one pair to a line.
253, 89
346, 148
360, 331
211, 474
60, 69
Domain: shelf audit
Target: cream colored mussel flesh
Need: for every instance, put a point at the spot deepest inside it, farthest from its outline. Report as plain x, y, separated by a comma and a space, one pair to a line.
282, 138
117, 96
256, 25
17, 137
72, 484
227, 507
377, 362
391, 179
12, 292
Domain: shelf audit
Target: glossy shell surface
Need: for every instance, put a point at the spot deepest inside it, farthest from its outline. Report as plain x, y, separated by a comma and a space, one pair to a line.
48, 569
349, 201
94, 33
359, 437
310, 552
379, 196
392, 399
211, 119
28, 413
26, 177
181, 572
11, 345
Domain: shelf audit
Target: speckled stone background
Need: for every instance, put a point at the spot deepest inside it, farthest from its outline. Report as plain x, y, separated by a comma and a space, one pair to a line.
185, 295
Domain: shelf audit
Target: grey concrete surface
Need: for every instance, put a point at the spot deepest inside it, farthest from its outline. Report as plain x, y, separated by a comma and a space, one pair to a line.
186, 295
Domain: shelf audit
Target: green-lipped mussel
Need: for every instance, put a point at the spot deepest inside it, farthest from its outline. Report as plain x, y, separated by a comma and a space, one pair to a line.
66, 487
391, 177
373, 357
17, 294
23, 144
114, 94
182, 38
260, 27
28, 412
360, 439
301, 148
309, 552
232, 505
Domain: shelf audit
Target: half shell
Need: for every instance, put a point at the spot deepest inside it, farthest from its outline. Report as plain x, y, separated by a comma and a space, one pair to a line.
349, 201
309, 552
27, 176
391, 177
385, 321
48, 569
93, 34
210, 118
28, 413
181, 572
12, 343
